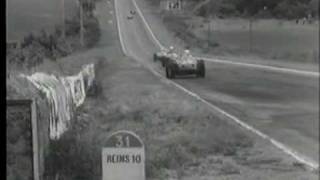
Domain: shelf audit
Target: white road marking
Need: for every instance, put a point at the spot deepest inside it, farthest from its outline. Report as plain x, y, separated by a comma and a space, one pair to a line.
118, 25
147, 25
299, 157
265, 67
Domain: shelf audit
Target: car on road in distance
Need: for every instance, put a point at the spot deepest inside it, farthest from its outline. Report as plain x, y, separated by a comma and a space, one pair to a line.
184, 64
133, 12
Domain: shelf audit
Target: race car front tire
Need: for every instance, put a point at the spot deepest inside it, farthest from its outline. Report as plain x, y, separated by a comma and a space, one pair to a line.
155, 57
170, 71
201, 71
163, 62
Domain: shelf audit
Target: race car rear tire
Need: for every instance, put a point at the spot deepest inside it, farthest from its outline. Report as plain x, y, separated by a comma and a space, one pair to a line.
170, 71
201, 71
163, 62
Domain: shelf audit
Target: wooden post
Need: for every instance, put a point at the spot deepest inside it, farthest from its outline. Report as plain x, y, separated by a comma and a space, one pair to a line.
63, 19
7, 21
35, 141
209, 30
250, 34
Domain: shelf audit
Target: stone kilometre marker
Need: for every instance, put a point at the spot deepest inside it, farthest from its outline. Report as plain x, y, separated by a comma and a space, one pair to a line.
123, 157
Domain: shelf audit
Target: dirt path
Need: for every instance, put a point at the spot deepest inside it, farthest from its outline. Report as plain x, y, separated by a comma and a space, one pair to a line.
183, 138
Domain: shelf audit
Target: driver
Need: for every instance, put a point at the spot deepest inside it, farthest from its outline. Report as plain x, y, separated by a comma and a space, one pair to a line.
186, 54
171, 49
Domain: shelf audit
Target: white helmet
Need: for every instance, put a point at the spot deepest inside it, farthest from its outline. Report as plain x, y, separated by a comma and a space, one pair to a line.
171, 48
186, 51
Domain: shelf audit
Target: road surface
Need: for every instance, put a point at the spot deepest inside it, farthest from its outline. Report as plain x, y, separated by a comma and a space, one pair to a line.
282, 105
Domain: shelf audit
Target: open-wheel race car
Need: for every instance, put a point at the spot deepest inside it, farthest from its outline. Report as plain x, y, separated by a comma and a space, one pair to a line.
184, 64
179, 64
133, 12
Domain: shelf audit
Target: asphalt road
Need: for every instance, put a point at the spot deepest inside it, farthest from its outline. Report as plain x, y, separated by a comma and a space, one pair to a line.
283, 106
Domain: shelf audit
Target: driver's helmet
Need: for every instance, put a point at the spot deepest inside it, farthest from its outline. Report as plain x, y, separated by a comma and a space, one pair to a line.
171, 48
186, 52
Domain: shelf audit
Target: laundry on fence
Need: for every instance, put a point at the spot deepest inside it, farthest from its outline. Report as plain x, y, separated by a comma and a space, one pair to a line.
63, 94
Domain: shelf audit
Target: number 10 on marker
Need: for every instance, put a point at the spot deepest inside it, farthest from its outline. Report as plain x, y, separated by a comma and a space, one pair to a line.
136, 158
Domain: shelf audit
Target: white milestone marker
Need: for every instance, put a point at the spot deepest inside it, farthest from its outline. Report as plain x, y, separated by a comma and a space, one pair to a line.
123, 157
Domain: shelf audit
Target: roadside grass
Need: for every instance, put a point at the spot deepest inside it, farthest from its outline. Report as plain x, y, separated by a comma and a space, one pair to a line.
271, 39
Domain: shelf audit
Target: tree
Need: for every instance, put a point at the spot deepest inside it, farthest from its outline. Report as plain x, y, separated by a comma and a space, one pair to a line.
313, 6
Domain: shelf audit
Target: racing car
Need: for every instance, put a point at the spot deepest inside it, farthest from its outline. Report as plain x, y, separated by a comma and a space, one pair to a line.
184, 64
133, 12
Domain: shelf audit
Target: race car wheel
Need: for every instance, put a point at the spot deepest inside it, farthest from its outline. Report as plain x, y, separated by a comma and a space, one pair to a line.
170, 71
201, 68
155, 57
163, 62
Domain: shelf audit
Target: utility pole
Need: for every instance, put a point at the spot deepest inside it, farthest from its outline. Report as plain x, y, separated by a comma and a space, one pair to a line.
7, 21
250, 34
63, 19
81, 23
209, 31
208, 19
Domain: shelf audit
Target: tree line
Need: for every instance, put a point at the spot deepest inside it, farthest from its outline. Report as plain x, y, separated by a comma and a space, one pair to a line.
282, 9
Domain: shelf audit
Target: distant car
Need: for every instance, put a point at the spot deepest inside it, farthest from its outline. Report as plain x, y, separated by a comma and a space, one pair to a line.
129, 17
184, 64
132, 12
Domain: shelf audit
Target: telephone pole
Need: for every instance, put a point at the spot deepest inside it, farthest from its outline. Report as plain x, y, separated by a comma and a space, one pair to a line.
250, 34
81, 23
7, 21
63, 19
